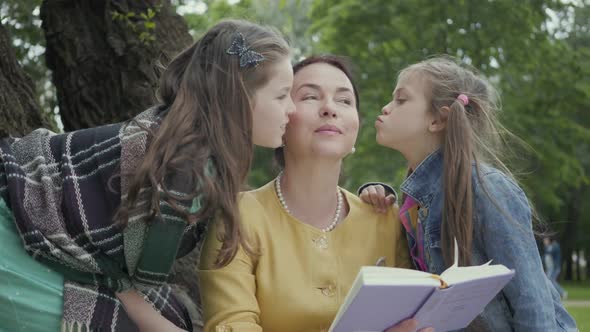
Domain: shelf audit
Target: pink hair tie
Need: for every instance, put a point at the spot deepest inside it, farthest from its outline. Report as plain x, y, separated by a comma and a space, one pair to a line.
464, 99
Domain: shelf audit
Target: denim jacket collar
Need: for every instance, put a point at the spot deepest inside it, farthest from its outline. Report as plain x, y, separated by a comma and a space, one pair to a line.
425, 179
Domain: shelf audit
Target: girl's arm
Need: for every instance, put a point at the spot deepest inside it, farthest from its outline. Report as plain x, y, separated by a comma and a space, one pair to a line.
505, 229
144, 315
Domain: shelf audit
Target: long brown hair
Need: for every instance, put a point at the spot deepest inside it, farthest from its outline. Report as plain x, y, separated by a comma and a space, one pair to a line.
473, 136
207, 101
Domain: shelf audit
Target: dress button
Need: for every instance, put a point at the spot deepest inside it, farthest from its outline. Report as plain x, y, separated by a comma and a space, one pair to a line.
321, 242
329, 291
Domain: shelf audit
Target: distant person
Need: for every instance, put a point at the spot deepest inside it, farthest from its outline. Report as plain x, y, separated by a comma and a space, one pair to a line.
552, 255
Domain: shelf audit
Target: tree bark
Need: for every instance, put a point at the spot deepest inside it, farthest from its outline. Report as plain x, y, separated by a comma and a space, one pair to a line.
569, 236
102, 70
587, 258
578, 258
19, 110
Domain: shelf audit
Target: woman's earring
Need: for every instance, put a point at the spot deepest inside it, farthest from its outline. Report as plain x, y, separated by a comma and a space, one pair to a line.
353, 150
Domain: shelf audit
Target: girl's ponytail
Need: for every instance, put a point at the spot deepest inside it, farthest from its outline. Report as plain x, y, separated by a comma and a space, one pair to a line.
458, 204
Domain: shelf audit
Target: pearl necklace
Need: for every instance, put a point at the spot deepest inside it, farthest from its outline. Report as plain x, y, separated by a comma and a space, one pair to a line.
339, 200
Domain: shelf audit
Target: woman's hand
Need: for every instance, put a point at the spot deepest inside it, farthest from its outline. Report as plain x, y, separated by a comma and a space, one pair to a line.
409, 325
375, 195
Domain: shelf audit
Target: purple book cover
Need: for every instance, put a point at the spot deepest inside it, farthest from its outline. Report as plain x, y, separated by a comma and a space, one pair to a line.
378, 307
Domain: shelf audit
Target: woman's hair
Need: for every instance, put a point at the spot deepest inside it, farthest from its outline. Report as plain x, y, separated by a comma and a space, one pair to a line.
207, 95
339, 62
343, 64
473, 135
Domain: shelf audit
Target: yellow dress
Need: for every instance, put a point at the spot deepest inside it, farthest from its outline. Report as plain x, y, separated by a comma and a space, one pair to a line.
302, 275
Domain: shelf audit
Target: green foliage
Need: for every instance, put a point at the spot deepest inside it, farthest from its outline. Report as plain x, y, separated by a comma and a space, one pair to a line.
21, 18
215, 11
507, 41
141, 23
289, 16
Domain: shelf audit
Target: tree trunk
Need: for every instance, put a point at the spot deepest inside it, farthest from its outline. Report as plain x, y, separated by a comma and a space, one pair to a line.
569, 237
578, 273
578, 259
19, 110
587, 259
104, 54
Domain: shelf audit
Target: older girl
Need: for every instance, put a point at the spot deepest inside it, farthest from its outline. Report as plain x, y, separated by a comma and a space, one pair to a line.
105, 211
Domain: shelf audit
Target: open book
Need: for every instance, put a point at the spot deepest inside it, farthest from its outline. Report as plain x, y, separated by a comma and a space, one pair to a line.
381, 297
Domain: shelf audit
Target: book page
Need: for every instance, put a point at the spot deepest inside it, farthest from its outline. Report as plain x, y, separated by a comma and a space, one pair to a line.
454, 274
455, 307
391, 274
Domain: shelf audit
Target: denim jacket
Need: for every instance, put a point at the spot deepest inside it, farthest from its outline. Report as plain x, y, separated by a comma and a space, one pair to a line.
529, 302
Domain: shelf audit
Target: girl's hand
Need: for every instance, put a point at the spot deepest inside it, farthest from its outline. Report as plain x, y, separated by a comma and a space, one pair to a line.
408, 325
144, 315
375, 195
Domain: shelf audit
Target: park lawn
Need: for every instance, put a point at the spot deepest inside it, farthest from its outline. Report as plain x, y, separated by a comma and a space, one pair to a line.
582, 317
577, 290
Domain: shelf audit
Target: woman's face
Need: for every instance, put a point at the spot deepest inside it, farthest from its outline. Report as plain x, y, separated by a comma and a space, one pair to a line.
325, 122
272, 105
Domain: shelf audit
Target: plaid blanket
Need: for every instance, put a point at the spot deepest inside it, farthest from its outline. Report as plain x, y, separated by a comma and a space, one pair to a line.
62, 192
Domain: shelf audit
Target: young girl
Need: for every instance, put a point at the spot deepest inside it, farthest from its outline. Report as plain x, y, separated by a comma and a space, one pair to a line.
105, 211
443, 120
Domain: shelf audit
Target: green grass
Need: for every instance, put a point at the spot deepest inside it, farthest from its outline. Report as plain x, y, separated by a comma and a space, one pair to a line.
582, 317
577, 290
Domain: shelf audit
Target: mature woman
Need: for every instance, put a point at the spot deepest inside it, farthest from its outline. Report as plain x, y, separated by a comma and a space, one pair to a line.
307, 237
